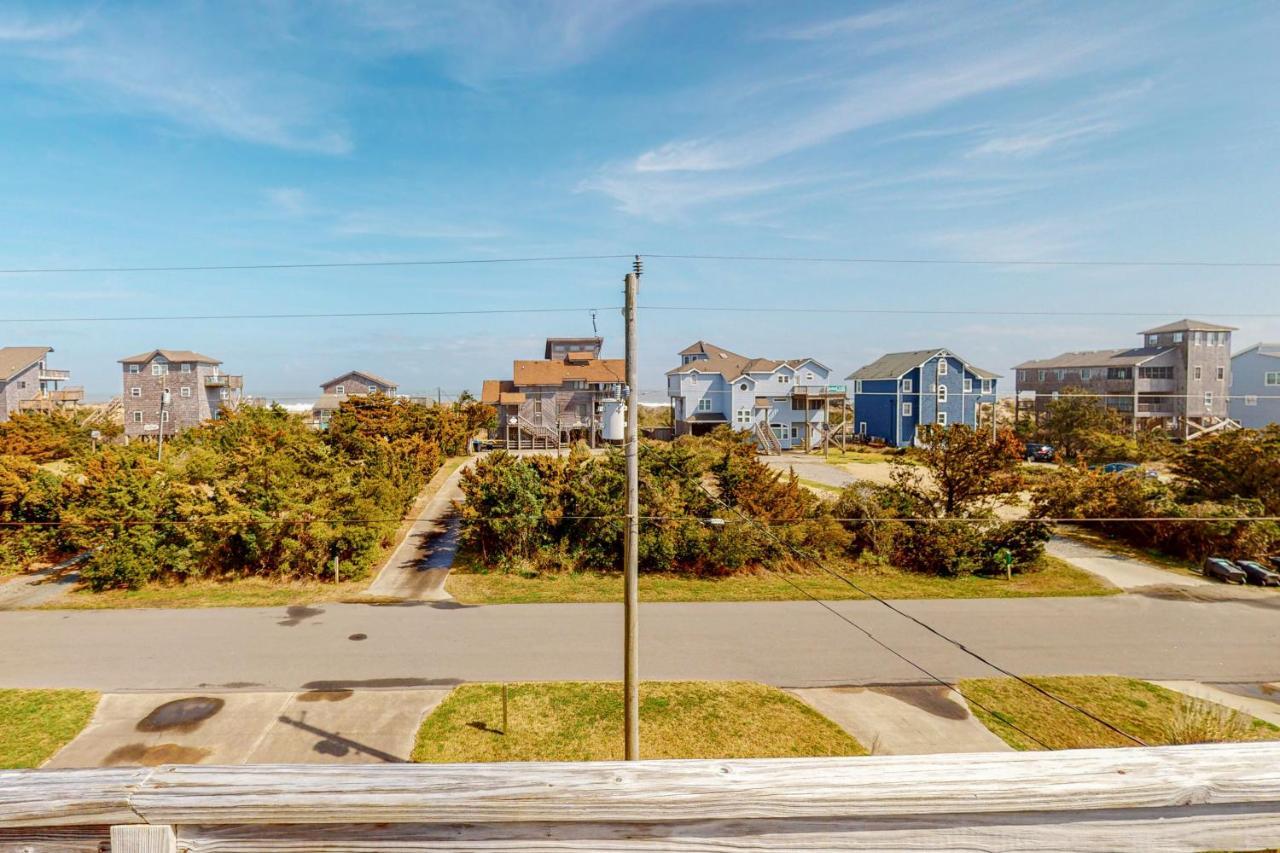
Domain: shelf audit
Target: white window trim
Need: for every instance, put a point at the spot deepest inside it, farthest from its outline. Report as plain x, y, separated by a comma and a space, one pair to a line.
340, 389
185, 391
907, 409
943, 367
942, 418
986, 386
373, 389
159, 370
968, 386
742, 416
1250, 400
1198, 373
135, 368
704, 404
1272, 379
942, 394
1208, 400
164, 417
185, 367
137, 417
907, 386
135, 391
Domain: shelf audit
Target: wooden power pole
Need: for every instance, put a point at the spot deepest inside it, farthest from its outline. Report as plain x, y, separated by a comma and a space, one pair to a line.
631, 557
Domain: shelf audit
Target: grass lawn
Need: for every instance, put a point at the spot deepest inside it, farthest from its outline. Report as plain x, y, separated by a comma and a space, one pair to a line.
1158, 716
836, 457
1055, 578
821, 487
582, 721
34, 724
241, 592
251, 592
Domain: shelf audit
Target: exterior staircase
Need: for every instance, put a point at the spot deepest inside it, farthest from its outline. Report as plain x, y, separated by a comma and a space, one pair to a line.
768, 442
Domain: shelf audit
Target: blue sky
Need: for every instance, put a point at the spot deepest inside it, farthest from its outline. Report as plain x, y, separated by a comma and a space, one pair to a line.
242, 133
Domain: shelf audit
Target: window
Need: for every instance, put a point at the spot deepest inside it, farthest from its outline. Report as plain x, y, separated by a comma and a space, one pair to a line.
1155, 372
373, 389
1222, 373
185, 391
986, 386
1151, 340
137, 417
185, 367
1208, 401
1119, 373
1043, 374
1177, 337
784, 378
862, 427
742, 387
1060, 375
1250, 400
1197, 338
135, 392
1222, 338
743, 416
942, 367
942, 394
164, 417
942, 418
1273, 378
340, 389
795, 432
704, 405
1197, 372
808, 376
857, 386
22, 384
906, 386
223, 394
1086, 373
968, 386
159, 370
906, 410
134, 368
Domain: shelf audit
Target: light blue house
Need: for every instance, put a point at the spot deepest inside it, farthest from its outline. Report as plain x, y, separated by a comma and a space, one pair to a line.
895, 394
1255, 386
783, 403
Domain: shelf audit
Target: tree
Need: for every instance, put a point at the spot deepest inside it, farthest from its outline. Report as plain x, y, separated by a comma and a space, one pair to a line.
1239, 464
964, 468
1075, 423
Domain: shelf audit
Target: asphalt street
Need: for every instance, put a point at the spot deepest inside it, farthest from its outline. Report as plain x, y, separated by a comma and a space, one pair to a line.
1159, 635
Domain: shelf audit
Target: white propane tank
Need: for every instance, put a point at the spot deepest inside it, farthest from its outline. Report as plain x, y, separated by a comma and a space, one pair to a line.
613, 420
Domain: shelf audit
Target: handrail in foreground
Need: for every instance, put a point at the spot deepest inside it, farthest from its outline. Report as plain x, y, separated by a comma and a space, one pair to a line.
1188, 798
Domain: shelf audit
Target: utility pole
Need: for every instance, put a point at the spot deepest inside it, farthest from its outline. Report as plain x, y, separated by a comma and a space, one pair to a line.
631, 554
164, 400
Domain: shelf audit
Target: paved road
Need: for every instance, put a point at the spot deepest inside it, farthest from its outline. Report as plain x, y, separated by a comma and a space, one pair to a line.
1168, 635
418, 567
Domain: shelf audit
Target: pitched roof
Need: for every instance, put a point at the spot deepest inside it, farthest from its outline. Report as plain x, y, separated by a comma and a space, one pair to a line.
730, 364
893, 365
14, 360
1272, 350
1189, 326
170, 355
372, 377
1096, 358
328, 403
552, 372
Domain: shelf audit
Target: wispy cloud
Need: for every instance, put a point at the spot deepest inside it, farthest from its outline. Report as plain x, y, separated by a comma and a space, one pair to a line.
1035, 241
1098, 117
18, 27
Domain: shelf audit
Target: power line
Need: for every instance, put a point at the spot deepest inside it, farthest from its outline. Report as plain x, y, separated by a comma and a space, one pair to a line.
967, 262
970, 312
312, 266
926, 626
306, 316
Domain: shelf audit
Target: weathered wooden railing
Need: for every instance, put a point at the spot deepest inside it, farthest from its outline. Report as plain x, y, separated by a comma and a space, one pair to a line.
1166, 799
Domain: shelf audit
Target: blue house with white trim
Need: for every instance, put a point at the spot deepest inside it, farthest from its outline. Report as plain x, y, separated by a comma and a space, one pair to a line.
899, 391
1255, 386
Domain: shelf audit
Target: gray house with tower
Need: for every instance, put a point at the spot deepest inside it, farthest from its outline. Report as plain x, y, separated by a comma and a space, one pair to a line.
1179, 378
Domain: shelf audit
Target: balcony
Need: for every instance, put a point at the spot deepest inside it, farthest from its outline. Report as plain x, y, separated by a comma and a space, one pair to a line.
46, 400
47, 375
222, 380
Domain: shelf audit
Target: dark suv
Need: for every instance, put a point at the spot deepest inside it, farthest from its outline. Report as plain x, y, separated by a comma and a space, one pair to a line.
1039, 452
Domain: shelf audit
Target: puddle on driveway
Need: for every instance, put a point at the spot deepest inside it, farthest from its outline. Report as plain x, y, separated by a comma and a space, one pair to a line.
150, 756
358, 637
181, 715
325, 695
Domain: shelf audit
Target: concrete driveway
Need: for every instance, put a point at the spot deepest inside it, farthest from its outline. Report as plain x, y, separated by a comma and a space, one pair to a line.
41, 587
310, 727
1128, 573
417, 569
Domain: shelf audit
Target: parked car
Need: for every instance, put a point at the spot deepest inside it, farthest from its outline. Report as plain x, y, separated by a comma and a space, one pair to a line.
1274, 560
1124, 468
1258, 573
1224, 570
1039, 452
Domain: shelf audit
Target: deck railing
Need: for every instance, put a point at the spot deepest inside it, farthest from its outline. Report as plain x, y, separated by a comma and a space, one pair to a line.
1192, 798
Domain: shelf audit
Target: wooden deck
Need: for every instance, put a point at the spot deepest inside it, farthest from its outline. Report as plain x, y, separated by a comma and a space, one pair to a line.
1189, 798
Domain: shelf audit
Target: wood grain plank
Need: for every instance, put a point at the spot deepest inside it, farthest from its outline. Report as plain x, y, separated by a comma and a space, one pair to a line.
143, 839
65, 839
1169, 830
654, 791
68, 797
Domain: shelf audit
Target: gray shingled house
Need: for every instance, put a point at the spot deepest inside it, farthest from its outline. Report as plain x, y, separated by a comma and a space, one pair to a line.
28, 384
198, 390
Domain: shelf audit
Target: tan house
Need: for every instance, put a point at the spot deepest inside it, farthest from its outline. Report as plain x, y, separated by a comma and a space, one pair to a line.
557, 399
1180, 378
167, 391
28, 384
